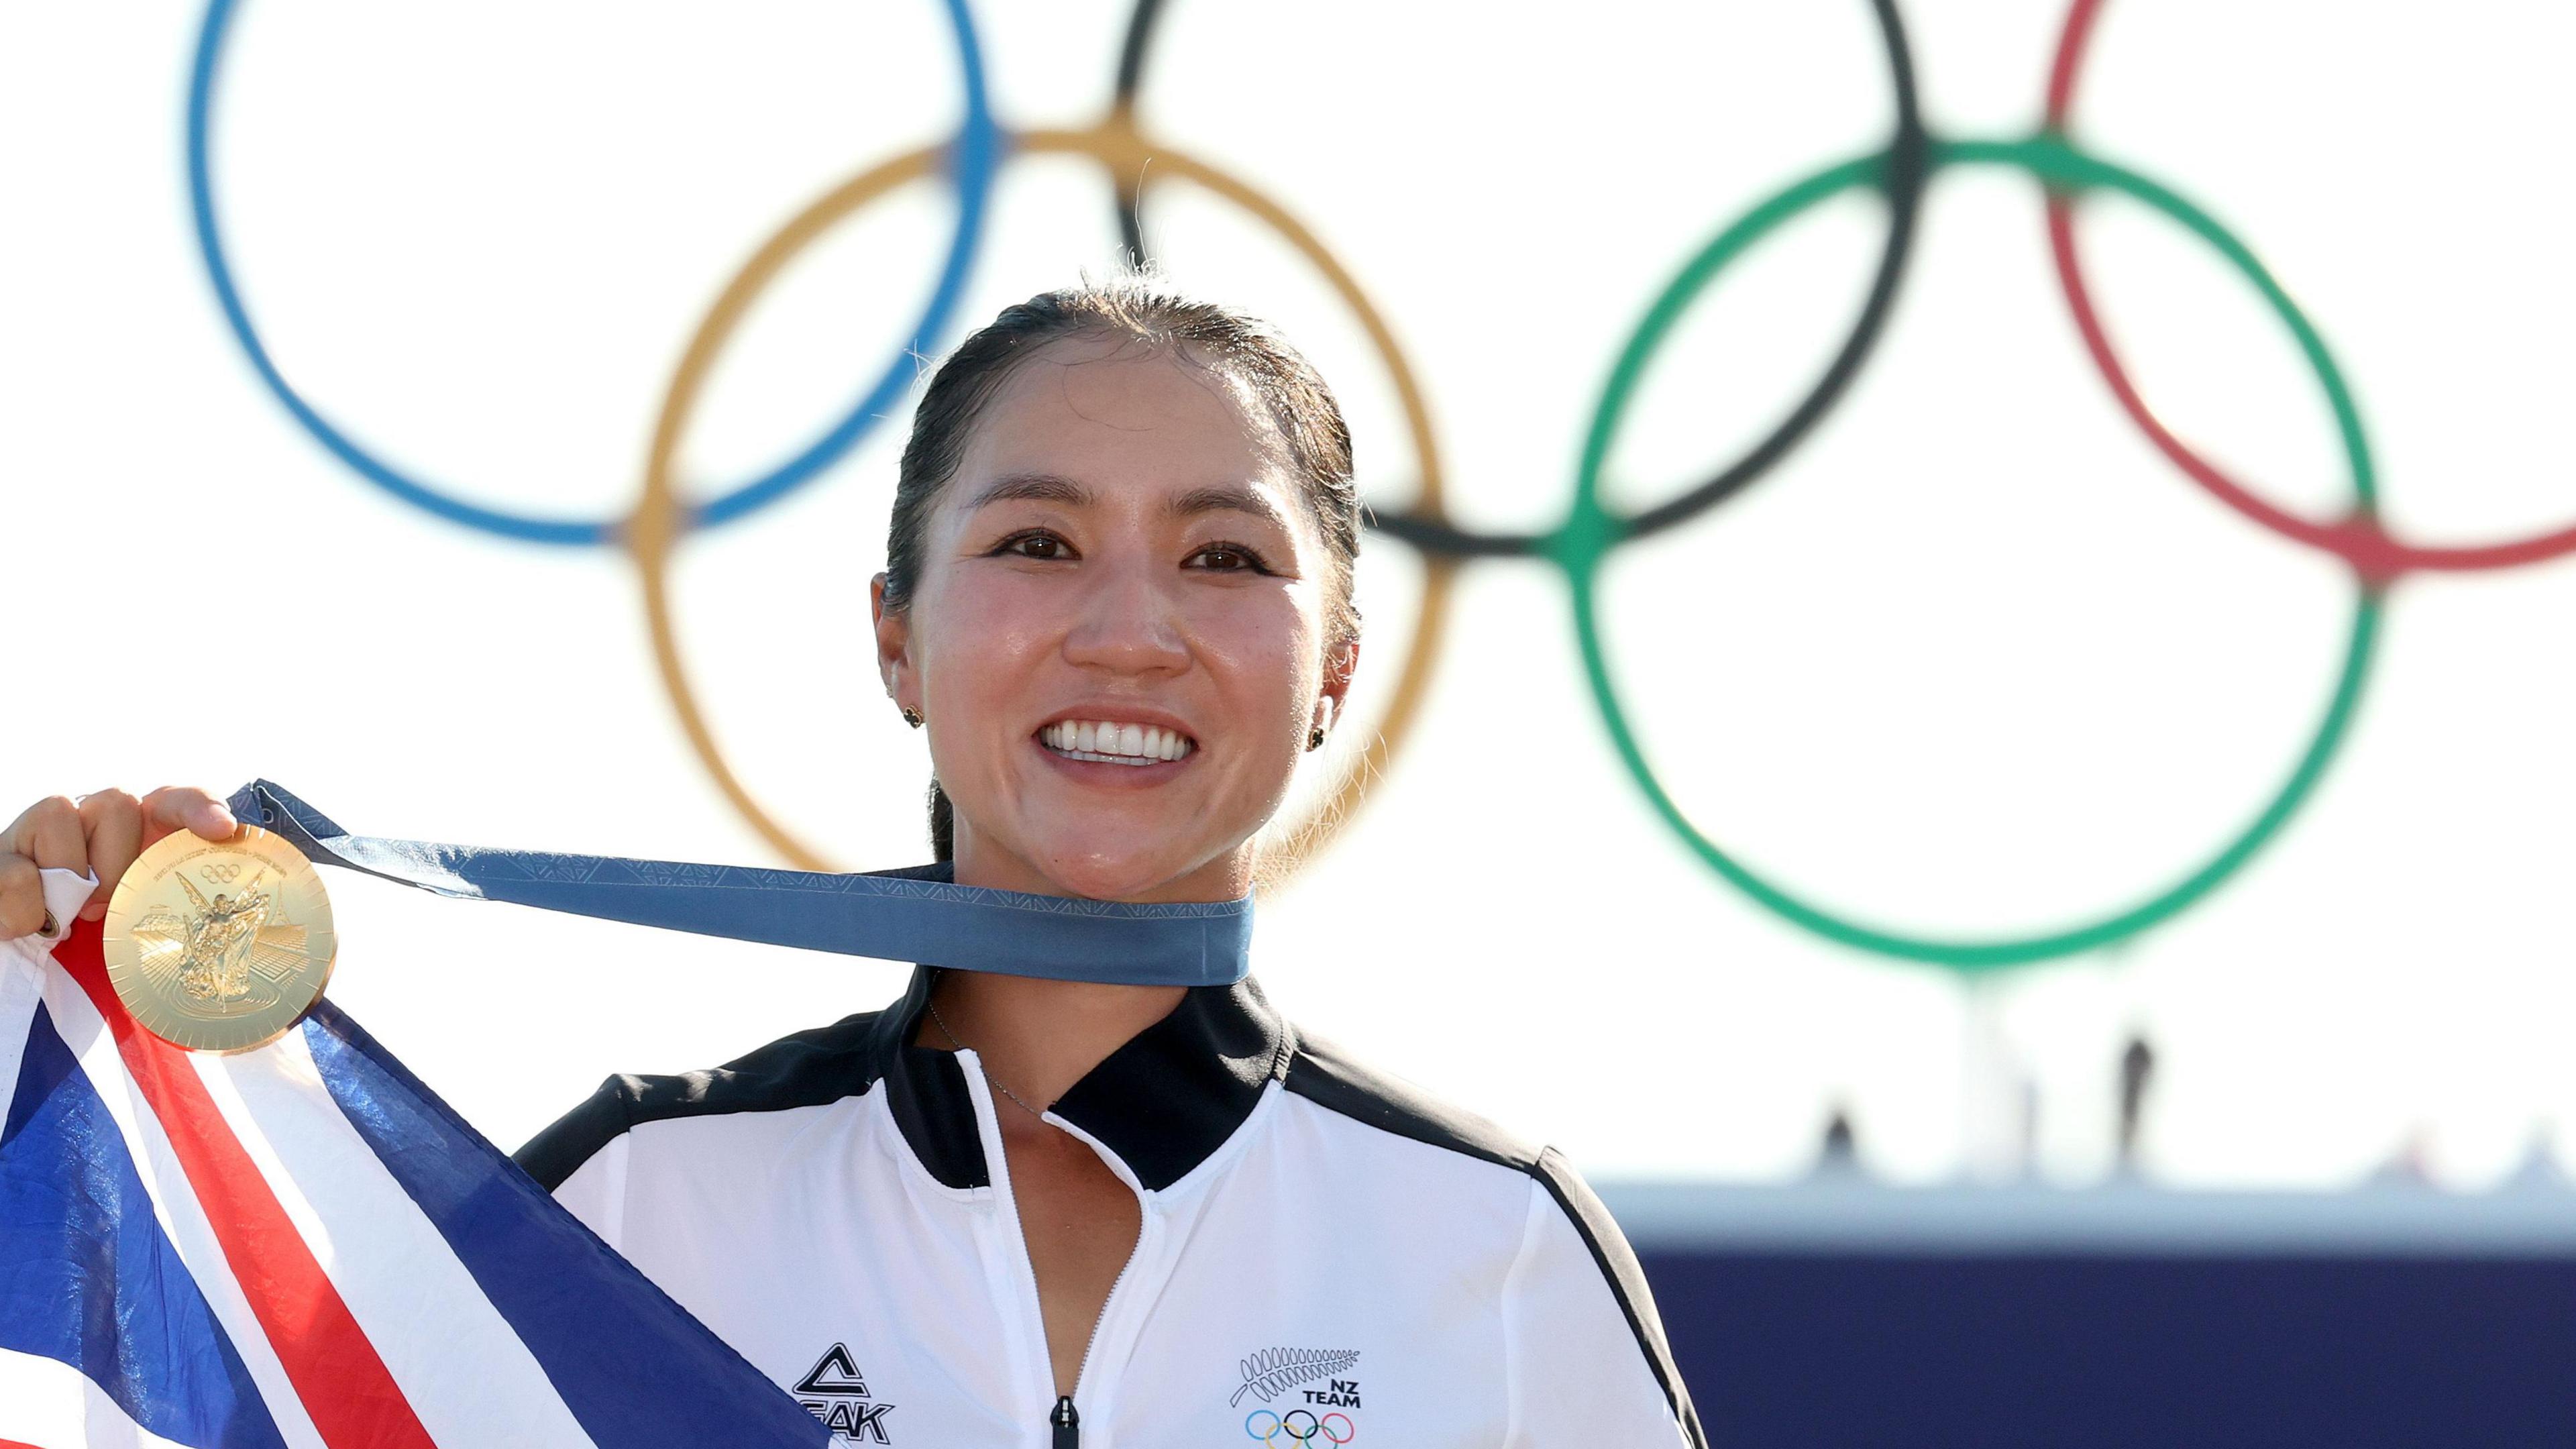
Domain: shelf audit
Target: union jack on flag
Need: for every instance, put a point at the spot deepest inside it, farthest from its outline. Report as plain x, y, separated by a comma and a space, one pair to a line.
302, 1247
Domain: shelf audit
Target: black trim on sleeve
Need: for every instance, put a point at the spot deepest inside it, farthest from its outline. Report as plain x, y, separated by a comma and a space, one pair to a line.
559, 1150
806, 1069
1325, 1075
1627, 1280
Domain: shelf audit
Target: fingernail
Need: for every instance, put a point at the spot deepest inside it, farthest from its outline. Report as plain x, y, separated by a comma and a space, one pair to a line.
93, 912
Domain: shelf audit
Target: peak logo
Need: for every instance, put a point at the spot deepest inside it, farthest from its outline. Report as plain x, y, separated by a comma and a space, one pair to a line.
833, 1391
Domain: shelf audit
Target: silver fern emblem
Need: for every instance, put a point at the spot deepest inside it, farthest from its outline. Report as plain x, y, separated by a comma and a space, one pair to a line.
1274, 1371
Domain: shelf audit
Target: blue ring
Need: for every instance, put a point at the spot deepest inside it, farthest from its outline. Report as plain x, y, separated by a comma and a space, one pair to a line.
973, 159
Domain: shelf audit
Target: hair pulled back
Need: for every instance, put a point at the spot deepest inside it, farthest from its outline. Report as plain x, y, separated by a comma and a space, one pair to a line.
1306, 421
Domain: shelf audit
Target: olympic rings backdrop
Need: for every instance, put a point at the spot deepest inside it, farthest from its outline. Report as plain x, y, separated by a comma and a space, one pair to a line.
1866, 496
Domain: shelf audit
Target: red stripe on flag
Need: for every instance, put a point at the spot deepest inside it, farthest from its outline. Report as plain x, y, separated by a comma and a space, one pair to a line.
344, 1385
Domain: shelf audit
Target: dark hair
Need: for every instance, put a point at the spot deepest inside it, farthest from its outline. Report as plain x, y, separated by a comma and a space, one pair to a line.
1313, 439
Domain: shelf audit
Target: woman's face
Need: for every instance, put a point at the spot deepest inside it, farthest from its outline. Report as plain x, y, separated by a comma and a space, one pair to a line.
1118, 639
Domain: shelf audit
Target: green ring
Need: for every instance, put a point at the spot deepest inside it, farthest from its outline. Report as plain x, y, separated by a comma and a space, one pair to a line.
1591, 531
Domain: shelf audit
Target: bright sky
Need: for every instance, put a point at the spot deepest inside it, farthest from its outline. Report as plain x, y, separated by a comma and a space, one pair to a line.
1973, 661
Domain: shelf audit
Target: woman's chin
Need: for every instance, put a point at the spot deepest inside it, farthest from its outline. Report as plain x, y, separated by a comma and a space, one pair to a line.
1113, 874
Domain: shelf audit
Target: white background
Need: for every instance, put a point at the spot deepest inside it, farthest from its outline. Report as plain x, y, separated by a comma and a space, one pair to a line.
1976, 660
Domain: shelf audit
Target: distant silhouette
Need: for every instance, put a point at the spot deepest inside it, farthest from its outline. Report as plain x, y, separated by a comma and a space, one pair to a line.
1841, 1154
2137, 1071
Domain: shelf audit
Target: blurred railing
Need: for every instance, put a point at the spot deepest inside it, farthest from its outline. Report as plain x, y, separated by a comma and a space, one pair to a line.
1842, 1312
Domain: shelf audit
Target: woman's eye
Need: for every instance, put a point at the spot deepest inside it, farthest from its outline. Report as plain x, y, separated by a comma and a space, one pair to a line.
1227, 558
1035, 545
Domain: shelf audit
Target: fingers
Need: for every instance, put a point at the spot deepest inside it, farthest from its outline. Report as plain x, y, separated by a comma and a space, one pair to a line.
102, 832
49, 835
113, 820
177, 807
22, 897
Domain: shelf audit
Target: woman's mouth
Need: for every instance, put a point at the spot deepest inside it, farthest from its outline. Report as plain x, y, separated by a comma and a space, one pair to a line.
1113, 742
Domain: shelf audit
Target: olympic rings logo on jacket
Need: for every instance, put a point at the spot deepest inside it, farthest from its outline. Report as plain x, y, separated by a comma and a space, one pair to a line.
1302, 1436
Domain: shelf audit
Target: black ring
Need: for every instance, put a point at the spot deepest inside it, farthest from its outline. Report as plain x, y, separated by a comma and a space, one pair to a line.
1908, 168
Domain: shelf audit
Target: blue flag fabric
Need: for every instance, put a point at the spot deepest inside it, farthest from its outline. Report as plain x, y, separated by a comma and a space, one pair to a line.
301, 1246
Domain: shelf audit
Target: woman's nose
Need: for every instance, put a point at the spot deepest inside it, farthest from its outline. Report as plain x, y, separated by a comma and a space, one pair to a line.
1128, 622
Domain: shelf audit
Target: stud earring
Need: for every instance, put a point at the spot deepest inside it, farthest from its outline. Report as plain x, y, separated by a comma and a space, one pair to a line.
1315, 735
912, 716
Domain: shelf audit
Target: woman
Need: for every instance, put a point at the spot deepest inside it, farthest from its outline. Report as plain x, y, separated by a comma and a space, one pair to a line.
1012, 1211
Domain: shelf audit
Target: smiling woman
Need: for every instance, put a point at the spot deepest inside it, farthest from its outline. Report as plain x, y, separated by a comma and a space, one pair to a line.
1144, 420
1118, 595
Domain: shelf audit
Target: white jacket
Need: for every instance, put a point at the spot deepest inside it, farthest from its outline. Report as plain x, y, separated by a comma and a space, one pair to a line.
1328, 1259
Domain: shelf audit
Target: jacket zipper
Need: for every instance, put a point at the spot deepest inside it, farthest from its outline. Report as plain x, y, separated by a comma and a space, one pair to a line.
1066, 1422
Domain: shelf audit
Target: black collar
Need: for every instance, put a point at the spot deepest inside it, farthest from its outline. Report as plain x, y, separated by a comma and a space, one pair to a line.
1163, 1101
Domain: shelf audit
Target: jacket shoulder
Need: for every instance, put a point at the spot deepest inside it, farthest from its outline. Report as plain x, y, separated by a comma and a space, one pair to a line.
1330, 1078
803, 1069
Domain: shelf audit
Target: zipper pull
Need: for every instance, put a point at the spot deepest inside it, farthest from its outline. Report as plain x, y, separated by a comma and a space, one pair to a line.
1068, 1424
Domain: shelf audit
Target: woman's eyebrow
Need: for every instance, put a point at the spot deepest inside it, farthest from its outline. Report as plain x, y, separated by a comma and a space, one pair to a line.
1037, 487
1056, 488
1226, 497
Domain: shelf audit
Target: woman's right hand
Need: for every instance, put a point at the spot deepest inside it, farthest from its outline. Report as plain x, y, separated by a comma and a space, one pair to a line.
102, 831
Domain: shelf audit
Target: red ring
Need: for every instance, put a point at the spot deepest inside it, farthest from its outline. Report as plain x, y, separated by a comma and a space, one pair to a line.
2379, 557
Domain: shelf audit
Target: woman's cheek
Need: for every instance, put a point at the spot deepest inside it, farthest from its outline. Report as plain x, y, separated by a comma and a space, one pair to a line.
982, 648
1265, 632
1005, 612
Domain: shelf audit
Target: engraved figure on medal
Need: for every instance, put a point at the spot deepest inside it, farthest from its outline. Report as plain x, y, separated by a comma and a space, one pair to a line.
230, 957
212, 971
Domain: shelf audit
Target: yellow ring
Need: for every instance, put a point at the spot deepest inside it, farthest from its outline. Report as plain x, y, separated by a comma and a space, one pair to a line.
650, 533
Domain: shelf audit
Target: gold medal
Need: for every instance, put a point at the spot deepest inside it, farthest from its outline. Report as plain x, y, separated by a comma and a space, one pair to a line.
219, 946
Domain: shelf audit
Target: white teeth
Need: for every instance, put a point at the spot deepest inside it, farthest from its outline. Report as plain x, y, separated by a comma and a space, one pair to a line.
1125, 744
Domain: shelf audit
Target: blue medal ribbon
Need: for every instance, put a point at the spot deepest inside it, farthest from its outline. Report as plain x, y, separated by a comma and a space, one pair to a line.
917, 914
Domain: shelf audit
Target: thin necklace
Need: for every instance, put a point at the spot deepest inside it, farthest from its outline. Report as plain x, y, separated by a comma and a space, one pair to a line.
1037, 1112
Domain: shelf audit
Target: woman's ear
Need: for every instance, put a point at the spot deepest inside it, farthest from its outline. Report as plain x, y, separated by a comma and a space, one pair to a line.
894, 641
1340, 663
